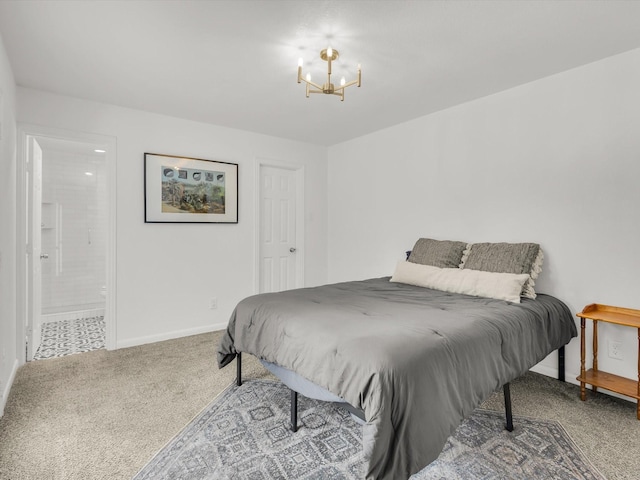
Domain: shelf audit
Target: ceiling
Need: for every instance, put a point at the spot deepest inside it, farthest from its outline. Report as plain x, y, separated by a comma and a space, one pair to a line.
234, 63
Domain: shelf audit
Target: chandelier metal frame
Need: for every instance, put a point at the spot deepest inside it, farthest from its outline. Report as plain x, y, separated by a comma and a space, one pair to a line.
328, 88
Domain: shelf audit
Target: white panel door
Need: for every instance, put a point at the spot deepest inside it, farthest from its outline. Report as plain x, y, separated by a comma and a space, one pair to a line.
278, 250
34, 247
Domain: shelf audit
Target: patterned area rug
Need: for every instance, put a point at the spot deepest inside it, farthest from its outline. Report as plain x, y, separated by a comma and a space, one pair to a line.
244, 434
71, 336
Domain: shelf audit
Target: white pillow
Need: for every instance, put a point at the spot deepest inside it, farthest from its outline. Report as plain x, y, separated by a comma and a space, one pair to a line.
502, 286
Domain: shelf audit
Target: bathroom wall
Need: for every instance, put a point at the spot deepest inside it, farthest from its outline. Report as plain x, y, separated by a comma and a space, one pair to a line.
74, 228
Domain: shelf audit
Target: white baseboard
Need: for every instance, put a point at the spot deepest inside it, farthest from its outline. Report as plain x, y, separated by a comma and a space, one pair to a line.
7, 387
133, 342
547, 370
552, 371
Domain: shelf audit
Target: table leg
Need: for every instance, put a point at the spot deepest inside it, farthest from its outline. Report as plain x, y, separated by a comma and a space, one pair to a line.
638, 406
595, 352
583, 393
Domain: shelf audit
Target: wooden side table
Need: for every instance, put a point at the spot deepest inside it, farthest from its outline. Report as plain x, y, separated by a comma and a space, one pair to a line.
597, 378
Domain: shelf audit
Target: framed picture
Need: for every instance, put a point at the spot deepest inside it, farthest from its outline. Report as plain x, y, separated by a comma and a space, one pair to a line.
189, 190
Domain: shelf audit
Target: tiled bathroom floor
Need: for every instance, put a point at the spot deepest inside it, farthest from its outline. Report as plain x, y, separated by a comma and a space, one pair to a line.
71, 336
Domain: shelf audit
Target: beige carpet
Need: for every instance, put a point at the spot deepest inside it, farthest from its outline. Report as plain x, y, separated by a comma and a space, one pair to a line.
103, 415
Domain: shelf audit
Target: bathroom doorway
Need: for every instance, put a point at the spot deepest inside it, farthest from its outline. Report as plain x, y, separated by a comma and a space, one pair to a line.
68, 268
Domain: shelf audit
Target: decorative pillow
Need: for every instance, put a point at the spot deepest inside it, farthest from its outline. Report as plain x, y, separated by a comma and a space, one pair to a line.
437, 253
515, 258
501, 286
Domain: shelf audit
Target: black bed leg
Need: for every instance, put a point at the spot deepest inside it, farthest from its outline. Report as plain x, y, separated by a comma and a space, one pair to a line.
561, 364
294, 411
239, 369
507, 407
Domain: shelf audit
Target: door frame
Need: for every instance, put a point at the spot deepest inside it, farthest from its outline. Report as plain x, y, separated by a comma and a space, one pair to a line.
25, 131
298, 168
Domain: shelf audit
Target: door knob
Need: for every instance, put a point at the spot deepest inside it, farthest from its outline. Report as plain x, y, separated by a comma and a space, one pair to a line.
44, 255
292, 249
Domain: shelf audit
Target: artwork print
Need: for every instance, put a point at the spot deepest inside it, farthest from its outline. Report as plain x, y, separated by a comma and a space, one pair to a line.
190, 190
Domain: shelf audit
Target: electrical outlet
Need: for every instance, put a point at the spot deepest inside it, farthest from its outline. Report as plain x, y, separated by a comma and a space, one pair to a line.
615, 349
213, 303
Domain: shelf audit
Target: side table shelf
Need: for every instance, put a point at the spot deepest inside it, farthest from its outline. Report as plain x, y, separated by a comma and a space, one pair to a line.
596, 378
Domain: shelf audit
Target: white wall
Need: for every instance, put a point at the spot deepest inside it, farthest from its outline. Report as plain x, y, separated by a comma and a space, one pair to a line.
167, 273
8, 357
556, 161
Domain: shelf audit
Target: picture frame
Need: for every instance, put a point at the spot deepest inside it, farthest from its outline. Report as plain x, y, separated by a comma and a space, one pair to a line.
189, 190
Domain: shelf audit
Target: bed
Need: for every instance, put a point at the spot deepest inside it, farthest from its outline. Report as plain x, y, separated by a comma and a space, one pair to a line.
412, 361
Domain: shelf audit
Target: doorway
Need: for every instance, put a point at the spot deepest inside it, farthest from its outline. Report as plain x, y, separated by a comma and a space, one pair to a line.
67, 181
280, 252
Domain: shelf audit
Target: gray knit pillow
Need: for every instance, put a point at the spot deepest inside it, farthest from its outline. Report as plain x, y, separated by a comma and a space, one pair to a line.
437, 253
507, 258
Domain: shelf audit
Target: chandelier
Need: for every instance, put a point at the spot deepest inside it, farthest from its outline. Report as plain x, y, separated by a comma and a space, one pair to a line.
328, 55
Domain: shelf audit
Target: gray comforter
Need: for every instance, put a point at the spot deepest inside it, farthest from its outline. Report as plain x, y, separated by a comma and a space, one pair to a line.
416, 361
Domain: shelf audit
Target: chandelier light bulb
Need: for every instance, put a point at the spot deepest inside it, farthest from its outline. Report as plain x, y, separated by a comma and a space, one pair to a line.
308, 77
329, 52
300, 62
342, 81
